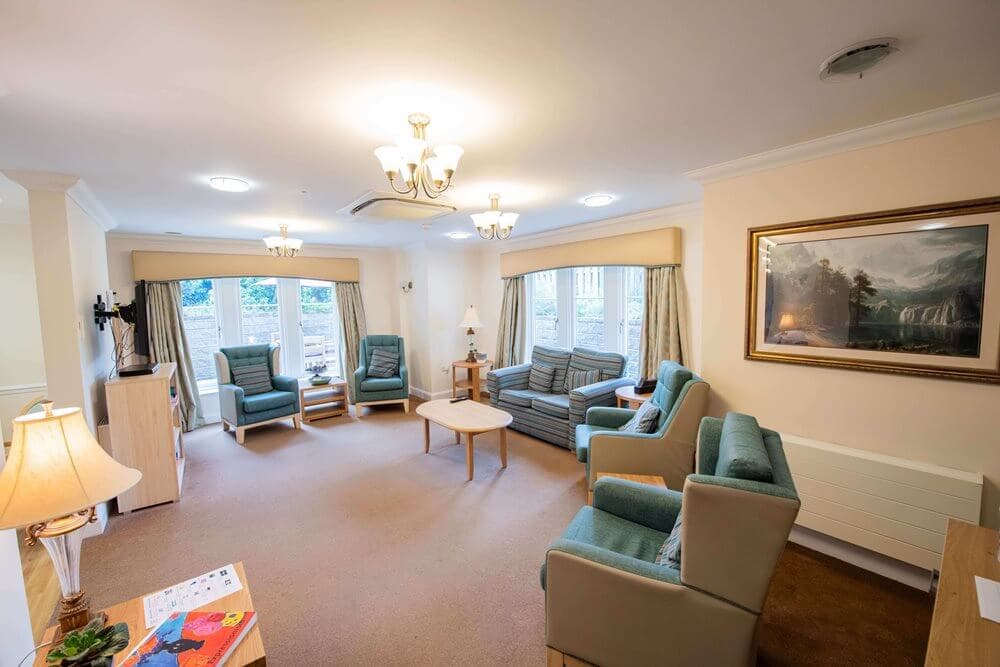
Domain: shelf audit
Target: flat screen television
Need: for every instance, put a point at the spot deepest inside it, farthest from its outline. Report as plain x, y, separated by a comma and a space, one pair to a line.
141, 333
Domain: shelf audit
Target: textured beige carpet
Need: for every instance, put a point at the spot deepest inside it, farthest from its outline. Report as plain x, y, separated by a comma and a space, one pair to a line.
360, 548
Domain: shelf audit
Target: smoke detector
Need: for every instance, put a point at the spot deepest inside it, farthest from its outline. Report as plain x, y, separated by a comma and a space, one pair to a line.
385, 206
857, 59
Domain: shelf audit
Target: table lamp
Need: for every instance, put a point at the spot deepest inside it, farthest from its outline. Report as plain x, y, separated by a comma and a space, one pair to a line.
471, 322
55, 475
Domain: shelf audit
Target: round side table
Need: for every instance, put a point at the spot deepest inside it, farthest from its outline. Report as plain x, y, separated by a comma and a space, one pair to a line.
474, 370
628, 398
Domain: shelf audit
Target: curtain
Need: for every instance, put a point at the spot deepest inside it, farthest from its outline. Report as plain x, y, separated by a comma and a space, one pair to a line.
352, 327
664, 320
168, 342
513, 319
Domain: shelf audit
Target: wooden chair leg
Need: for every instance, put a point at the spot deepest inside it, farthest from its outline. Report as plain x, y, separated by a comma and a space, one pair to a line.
406, 406
225, 426
241, 434
296, 421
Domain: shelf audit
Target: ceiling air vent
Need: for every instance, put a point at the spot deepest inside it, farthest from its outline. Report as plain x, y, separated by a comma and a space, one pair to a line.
857, 59
386, 206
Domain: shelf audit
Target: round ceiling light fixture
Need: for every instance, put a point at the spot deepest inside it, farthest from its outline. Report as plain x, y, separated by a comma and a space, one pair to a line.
594, 201
857, 59
229, 184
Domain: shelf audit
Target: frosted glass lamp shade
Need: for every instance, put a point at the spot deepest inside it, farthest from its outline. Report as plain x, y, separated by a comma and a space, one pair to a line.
56, 468
471, 319
390, 158
449, 154
412, 150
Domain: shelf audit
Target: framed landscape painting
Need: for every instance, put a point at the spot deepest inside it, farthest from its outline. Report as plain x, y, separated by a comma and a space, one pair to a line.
906, 291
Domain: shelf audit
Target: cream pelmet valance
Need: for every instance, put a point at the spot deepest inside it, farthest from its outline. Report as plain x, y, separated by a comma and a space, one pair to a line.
656, 247
165, 266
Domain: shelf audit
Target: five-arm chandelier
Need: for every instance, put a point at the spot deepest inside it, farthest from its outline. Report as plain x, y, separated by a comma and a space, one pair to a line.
494, 223
282, 246
412, 165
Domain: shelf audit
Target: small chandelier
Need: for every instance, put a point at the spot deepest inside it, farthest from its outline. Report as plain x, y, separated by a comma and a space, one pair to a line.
494, 223
282, 246
416, 165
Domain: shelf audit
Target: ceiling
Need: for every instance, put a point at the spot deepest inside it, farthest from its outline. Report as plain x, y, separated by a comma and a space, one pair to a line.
552, 101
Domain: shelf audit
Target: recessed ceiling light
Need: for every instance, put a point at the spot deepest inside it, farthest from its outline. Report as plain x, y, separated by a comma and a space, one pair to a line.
229, 184
458, 236
597, 200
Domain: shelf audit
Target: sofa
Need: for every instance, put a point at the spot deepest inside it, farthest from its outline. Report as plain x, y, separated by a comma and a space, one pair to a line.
682, 398
241, 412
609, 602
379, 390
553, 416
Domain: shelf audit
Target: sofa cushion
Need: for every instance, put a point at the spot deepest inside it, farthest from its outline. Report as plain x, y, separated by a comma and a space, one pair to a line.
381, 384
521, 397
670, 379
253, 379
611, 364
644, 420
583, 433
268, 401
607, 531
554, 357
742, 454
577, 379
540, 378
555, 405
384, 364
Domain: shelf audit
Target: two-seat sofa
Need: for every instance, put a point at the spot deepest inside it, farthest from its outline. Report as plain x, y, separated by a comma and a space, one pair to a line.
553, 416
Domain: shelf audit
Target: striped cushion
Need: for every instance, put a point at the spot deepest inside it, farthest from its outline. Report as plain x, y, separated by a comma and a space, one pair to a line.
384, 364
611, 364
670, 553
576, 379
644, 420
253, 379
541, 376
554, 357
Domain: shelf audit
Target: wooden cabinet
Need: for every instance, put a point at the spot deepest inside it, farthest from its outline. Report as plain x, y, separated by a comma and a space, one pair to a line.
145, 423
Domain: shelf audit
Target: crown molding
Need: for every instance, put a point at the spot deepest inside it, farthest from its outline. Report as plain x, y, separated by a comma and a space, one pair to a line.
199, 243
85, 199
925, 122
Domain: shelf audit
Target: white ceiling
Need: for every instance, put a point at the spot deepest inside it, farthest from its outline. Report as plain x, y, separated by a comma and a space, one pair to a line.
552, 101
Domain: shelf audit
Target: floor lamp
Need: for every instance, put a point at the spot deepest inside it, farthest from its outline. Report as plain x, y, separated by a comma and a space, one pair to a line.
54, 477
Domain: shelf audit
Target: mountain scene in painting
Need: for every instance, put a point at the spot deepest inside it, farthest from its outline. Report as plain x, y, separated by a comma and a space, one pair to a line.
918, 292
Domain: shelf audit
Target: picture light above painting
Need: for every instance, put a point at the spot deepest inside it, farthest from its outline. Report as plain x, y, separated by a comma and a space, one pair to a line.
913, 291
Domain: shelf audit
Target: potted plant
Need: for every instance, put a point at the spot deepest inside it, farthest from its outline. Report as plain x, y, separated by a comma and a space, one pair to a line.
93, 645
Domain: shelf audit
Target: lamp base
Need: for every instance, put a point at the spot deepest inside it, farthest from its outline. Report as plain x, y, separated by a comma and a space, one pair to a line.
472, 357
74, 613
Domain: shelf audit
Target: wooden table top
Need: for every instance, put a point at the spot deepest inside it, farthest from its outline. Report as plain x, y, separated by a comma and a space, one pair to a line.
249, 652
471, 364
959, 635
628, 393
334, 382
464, 416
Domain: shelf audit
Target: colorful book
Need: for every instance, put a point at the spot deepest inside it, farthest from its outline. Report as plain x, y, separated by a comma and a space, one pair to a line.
192, 639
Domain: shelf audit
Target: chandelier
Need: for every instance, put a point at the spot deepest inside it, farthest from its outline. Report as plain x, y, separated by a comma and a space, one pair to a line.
416, 165
494, 223
282, 246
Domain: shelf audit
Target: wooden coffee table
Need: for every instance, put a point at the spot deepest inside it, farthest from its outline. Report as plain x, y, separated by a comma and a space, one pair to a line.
466, 417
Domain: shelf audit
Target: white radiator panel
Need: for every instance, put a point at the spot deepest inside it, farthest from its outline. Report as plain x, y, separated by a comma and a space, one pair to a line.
893, 506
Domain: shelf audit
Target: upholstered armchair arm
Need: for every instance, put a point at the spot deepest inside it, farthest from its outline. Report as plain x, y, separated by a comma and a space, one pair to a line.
359, 375
641, 454
610, 558
231, 402
286, 383
511, 377
609, 417
404, 374
639, 503
598, 394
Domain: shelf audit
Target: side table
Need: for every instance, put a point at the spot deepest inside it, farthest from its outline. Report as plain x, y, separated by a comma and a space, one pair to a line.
323, 400
627, 397
474, 369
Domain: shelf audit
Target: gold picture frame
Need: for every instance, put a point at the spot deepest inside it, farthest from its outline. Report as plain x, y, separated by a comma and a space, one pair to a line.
927, 227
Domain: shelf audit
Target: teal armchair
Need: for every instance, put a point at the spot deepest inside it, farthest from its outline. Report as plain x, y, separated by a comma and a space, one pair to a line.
682, 398
241, 412
376, 390
609, 602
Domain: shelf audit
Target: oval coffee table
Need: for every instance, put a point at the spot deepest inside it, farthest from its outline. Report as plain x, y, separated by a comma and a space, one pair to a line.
466, 417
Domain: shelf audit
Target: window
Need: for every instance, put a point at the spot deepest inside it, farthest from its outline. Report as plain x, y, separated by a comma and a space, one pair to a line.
260, 321
320, 324
201, 324
592, 306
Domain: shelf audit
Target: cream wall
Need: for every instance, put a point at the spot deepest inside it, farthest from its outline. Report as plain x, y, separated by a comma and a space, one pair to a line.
949, 423
687, 217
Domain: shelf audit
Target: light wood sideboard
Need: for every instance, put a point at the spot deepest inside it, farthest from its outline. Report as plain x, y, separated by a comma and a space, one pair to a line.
145, 424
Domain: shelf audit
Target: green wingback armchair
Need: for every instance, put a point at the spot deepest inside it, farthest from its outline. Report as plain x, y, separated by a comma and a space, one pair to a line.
241, 412
607, 600
376, 390
682, 398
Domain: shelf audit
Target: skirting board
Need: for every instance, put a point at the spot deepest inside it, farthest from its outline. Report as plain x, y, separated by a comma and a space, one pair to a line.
890, 568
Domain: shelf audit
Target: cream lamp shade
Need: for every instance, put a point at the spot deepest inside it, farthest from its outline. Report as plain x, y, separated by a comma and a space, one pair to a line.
471, 320
56, 468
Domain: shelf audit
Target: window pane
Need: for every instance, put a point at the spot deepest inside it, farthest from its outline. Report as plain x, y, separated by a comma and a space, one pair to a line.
198, 311
588, 301
320, 325
544, 303
635, 278
259, 310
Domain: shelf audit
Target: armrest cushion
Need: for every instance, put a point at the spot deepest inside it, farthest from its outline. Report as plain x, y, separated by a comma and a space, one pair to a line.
231, 402
613, 559
285, 383
597, 394
609, 417
639, 503
404, 375
511, 377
